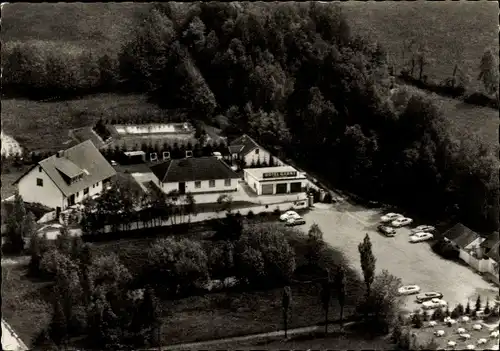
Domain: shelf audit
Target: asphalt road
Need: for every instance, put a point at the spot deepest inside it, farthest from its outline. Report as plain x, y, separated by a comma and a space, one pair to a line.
344, 226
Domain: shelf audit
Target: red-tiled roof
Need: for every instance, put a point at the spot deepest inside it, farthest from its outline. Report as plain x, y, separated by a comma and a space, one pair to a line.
192, 169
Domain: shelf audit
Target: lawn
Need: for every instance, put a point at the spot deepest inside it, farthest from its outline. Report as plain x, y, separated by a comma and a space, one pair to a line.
100, 26
8, 179
466, 118
455, 32
45, 126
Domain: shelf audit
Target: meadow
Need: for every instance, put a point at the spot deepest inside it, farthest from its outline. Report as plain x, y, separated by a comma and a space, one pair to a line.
103, 27
454, 32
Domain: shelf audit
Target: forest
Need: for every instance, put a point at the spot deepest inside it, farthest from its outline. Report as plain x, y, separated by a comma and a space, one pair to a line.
295, 77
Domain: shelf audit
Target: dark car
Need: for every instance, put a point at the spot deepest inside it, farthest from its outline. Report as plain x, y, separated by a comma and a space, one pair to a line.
427, 296
386, 230
295, 221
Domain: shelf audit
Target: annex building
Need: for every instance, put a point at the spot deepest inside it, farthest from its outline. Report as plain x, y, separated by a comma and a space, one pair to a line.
275, 180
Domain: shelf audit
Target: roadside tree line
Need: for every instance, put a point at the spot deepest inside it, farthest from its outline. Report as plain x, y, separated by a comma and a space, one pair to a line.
124, 203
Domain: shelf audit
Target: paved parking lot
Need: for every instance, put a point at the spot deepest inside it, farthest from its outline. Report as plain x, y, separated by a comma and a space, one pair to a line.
344, 226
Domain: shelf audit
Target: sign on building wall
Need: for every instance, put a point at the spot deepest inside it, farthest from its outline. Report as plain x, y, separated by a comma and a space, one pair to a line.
279, 174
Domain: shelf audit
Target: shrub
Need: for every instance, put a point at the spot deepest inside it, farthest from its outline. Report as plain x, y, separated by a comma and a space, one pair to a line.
432, 344
221, 259
177, 265
455, 314
265, 254
250, 214
438, 315
460, 309
54, 262
277, 212
487, 309
425, 315
468, 308
416, 320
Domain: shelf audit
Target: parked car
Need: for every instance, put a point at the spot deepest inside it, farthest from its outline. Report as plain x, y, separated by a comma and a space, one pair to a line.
295, 221
389, 217
409, 290
427, 296
288, 215
401, 222
434, 303
386, 230
114, 163
423, 228
418, 237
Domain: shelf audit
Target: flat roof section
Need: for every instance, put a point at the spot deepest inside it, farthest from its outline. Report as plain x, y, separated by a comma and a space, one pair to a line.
269, 173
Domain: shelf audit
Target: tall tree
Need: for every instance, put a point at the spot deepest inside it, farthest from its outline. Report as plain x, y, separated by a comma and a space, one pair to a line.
16, 225
367, 262
315, 244
489, 72
286, 301
340, 287
58, 328
326, 297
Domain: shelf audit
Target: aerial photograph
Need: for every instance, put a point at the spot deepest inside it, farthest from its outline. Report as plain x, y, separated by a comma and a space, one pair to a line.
250, 175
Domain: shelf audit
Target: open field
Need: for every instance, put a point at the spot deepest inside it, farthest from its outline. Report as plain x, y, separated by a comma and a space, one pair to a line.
44, 126
466, 118
100, 26
455, 32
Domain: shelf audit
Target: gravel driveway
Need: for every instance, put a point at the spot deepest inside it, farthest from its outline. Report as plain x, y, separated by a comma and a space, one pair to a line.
344, 226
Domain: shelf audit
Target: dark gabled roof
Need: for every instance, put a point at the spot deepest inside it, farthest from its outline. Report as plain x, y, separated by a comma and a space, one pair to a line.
66, 167
494, 253
491, 240
455, 231
191, 169
235, 149
244, 144
83, 160
461, 235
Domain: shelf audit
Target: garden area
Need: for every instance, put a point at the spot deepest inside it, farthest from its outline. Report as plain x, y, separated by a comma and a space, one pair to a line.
474, 326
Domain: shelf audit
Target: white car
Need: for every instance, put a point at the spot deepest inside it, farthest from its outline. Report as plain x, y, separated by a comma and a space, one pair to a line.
418, 237
289, 215
389, 217
423, 228
409, 290
434, 303
401, 222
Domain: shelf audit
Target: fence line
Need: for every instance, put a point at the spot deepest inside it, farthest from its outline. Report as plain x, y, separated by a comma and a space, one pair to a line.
199, 217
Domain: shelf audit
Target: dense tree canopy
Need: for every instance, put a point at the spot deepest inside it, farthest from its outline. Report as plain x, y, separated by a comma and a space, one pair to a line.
298, 79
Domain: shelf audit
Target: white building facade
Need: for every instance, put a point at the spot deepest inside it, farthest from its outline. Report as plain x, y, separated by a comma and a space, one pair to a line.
275, 180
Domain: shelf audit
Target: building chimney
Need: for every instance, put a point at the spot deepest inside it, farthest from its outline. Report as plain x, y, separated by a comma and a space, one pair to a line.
60, 153
189, 153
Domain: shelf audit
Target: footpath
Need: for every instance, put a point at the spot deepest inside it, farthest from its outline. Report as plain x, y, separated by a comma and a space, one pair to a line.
10, 340
270, 336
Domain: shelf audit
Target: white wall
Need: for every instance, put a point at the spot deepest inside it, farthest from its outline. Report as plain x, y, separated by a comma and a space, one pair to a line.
252, 182
263, 155
48, 194
204, 186
79, 197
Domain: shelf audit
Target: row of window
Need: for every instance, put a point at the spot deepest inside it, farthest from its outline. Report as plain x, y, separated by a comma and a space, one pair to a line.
211, 183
